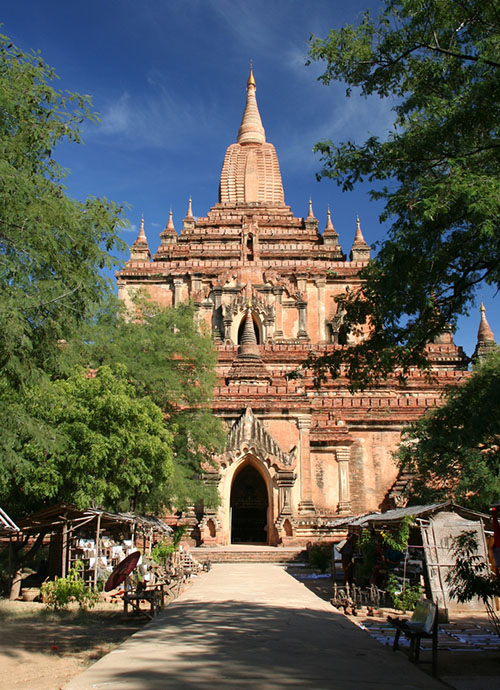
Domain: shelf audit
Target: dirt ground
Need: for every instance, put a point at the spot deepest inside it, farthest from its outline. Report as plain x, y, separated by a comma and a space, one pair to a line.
42, 650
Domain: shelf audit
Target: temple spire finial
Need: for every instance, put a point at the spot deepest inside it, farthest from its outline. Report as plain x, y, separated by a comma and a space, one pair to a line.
485, 338
139, 251
310, 213
329, 224
251, 78
142, 234
358, 237
484, 334
251, 130
170, 224
360, 251
190, 209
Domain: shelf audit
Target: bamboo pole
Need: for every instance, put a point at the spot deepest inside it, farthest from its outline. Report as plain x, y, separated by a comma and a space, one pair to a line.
97, 550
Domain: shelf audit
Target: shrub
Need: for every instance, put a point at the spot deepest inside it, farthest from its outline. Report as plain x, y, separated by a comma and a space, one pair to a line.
59, 593
165, 548
404, 597
320, 556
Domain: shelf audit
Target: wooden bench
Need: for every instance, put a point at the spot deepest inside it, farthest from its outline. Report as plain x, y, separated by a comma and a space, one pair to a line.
423, 624
153, 596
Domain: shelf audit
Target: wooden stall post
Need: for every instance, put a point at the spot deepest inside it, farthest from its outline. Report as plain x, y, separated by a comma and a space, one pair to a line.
97, 550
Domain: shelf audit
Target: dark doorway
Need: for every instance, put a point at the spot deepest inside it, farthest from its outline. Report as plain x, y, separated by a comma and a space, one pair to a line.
249, 507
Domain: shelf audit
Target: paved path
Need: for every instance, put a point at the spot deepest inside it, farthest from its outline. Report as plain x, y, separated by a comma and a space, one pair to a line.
246, 625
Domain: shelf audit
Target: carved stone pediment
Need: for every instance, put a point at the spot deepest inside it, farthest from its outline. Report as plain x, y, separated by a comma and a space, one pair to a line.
248, 435
274, 278
240, 303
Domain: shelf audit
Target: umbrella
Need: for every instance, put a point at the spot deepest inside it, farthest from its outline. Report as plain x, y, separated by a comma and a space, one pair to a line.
121, 571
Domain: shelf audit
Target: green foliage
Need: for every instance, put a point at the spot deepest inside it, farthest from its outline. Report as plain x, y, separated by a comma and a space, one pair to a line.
320, 556
168, 359
367, 546
437, 172
65, 436
455, 450
58, 594
399, 541
52, 248
470, 576
112, 447
404, 597
167, 547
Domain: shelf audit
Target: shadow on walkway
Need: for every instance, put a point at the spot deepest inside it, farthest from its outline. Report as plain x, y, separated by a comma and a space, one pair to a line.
214, 636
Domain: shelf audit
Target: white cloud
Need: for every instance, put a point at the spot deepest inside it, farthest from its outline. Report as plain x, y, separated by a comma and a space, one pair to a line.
116, 119
157, 117
353, 118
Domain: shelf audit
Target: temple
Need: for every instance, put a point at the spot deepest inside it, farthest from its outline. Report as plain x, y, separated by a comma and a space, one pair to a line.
265, 283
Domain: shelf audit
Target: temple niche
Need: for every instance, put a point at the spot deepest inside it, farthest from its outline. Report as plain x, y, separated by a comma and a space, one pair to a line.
265, 282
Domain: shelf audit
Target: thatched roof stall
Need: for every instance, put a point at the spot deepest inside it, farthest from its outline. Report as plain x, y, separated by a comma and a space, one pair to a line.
97, 537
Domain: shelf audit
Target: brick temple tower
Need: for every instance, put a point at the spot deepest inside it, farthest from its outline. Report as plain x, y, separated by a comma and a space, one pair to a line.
265, 283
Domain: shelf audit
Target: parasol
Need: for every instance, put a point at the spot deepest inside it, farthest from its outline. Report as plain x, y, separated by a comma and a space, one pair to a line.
121, 571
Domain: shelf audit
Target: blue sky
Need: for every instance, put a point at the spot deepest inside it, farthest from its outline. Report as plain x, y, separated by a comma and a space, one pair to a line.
168, 79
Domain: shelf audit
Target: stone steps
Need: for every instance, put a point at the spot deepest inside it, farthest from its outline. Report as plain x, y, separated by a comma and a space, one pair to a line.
235, 554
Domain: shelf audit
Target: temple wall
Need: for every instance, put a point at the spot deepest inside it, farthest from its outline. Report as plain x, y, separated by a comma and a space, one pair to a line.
325, 481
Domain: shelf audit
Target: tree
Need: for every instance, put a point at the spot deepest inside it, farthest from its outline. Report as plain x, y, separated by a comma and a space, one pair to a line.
65, 436
454, 451
111, 447
169, 359
52, 248
437, 171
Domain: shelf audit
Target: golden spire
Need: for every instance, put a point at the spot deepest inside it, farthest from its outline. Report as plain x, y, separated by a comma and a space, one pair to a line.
190, 209
251, 78
251, 130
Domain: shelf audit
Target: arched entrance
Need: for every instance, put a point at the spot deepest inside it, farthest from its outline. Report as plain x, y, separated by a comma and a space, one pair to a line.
249, 503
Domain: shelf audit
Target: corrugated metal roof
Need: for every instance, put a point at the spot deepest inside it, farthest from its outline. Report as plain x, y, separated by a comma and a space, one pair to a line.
54, 516
7, 523
398, 514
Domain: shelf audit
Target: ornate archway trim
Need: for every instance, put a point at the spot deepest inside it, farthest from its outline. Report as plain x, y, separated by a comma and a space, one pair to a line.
249, 436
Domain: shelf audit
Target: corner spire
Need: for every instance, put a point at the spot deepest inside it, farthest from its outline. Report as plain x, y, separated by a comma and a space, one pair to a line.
170, 224
360, 251
310, 214
484, 334
251, 130
358, 237
142, 234
139, 251
485, 339
329, 224
168, 235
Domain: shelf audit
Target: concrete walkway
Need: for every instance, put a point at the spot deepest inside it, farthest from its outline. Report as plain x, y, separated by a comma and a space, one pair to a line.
248, 625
